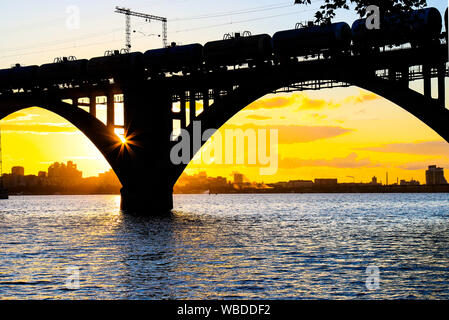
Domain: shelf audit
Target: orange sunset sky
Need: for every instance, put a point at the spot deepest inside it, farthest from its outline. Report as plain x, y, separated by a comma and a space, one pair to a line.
338, 133
334, 133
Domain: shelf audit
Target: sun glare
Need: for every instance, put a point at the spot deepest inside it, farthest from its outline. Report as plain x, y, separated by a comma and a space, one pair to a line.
121, 134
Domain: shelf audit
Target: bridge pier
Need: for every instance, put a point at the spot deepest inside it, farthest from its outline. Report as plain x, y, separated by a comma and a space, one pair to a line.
146, 171
427, 81
146, 201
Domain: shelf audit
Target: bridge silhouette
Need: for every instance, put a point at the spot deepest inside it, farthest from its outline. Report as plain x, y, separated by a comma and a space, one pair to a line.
149, 115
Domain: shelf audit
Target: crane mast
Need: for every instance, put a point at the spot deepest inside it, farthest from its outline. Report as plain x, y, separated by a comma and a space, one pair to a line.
128, 14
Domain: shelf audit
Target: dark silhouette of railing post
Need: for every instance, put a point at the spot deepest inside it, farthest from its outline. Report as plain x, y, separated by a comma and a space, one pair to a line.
427, 81
148, 185
441, 84
93, 105
110, 109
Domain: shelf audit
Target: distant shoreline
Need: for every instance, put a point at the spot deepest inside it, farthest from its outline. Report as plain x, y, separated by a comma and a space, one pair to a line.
329, 189
299, 190
62, 194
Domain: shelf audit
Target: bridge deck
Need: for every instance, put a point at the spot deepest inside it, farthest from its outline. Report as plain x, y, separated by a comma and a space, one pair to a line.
304, 75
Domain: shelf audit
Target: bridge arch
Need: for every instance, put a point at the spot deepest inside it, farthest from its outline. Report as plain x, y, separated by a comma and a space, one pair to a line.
424, 109
104, 139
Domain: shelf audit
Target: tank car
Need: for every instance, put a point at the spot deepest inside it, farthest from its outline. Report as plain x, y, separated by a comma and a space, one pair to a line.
327, 39
418, 27
253, 50
116, 65
426, 25
4, 79
65, 71
18, 77
186, 58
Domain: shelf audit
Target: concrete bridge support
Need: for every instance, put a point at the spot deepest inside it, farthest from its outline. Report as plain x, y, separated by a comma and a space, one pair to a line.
148, 178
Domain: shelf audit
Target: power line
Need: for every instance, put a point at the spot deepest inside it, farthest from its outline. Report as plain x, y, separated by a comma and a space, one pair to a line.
27, 26
215, 15
91, 44
243, 11
103, 33
240, 21
63, 48
177, 31
230, 13
56, 42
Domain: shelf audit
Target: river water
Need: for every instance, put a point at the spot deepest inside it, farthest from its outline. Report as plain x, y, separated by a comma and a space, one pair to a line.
313, 246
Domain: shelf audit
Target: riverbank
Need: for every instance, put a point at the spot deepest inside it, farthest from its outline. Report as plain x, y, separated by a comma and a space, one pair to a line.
326, 189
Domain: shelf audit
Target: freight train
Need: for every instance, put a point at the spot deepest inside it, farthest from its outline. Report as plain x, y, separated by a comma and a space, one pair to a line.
419, 28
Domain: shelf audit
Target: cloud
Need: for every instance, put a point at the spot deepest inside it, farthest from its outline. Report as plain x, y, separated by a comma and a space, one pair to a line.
295, 134
362, 97
39, 128
272, 103
14, 116
302, 101
440, 148
298, 134
306, 103
351, 161
74, 158
257, 117
19, 116
423, 165
318, 116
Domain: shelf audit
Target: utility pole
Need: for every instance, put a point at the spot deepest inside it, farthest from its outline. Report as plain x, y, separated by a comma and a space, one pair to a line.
148, 17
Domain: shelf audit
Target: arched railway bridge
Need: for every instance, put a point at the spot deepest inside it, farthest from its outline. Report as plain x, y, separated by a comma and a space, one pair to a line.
149, 115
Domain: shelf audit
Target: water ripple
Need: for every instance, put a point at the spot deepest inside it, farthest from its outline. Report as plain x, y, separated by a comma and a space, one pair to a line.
227, 246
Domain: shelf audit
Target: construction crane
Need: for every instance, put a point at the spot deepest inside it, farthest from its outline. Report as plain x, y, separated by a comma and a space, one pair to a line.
128, 13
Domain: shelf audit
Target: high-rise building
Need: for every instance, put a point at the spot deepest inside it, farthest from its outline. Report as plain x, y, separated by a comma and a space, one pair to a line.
409, 183
109, 178
61, 174
238, 178
326, 182
18, 171
300, 183
219, 181
435, 176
